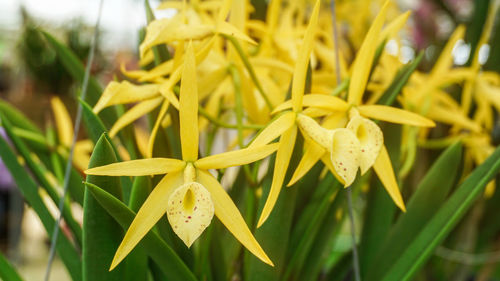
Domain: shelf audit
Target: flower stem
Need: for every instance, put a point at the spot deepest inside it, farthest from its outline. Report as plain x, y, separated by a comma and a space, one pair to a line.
250, 69
355, 257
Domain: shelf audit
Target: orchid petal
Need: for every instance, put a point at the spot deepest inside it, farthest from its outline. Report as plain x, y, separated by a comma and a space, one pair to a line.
151, 211
275, 129
312, 155
230, 216
64, 125
135, 113
385, 173
317, 101
287, 142
188, 108
156, 126
236, 158
394, 115
125, 92
345, 155
190, 211
371, 140
300, 71
364, 59
139, 167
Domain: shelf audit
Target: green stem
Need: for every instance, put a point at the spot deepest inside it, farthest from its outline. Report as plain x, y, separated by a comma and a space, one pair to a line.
239, 113
249, 68
219, 123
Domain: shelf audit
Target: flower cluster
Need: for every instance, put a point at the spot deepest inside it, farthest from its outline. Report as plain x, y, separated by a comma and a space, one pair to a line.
276, 79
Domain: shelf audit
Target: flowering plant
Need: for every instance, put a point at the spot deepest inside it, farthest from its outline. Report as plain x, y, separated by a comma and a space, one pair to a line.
237, 108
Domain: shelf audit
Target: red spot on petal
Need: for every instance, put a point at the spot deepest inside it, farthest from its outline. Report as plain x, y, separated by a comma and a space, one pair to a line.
189, 217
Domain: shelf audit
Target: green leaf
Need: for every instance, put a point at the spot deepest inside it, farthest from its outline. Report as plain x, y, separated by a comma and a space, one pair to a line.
420, 209
40, 174
29, 189
380, 209
76, 69
444, 220
17, 118
278, 225
101, 234
168, 261
328, 232
400, 81
308, 226
7, 271
137, 260
93, 124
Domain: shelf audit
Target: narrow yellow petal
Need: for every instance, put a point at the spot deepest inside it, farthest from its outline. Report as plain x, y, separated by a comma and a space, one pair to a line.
312, 154
236, 158
317, 101
82, 152
188, 107
64, 125
141, 137
154, 131
210, 81
394, 115
445, 60
229, 29
230, 216
124, 92
312, 131
299, 74
287, 142
364, 59
139, 167
371, 140
327, 160
274, 129
190, 211
135, 113
176, 74
151, 211
452, 117
224, 10
393, 27
345, 155
385, 173
163, 31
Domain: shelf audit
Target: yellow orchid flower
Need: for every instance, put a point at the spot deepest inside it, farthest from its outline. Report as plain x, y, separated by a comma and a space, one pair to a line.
188, 193
285, 126
360, 143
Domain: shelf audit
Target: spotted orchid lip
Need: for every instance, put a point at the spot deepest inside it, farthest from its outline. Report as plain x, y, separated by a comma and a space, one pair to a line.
190, 211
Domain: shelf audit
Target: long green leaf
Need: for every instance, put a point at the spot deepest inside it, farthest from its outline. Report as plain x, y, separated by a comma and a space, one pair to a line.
17, 118
7, 271
29, 189
40, 175
101, 234
380, 209
76, 69
94, 125
277, 227
137, 260
322, 246
309, 223
443, 222
168, 261
431, 193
